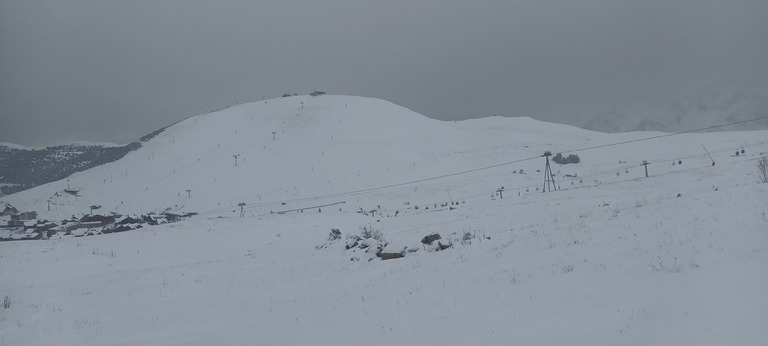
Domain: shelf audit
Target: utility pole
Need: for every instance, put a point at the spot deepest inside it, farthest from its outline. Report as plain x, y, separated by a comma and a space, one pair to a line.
49, 205
500, 191
236, 156
548, 176
645, 163
273, 135
189, 193
241, 205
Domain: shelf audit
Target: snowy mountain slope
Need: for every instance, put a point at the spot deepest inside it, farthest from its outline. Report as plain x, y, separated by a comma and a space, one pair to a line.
611, 258
334, 144
714, 105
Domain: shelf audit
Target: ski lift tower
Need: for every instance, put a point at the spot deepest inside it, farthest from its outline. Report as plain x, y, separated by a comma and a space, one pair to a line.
241, 205
548, 176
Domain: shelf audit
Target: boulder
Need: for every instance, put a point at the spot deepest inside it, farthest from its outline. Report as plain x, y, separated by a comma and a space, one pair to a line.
428, 240
352, 241
389, 255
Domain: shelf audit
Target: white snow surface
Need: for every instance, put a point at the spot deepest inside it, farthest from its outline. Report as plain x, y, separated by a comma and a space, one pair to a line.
613, 257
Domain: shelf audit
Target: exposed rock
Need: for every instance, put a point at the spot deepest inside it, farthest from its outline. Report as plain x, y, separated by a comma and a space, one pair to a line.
440, 246
334, 235
428, 240
389, 255
352, 241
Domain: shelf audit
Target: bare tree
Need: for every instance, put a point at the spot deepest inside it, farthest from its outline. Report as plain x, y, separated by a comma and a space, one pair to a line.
762, 166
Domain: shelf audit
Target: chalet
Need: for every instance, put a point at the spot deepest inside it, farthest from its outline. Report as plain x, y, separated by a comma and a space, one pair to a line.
28, 215
149, 219
123, 228
87, 222
127, 220
9, 210
47, 229
71, 226
78, 232
97, 220
28, 235
15, 222
18, 220
30, 225
57, 230
173, 217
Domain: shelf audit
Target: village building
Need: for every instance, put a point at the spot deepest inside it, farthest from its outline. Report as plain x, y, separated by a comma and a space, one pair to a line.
9, 210
28, 215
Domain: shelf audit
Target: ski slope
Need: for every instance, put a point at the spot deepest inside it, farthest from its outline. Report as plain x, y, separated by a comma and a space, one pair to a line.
612, 257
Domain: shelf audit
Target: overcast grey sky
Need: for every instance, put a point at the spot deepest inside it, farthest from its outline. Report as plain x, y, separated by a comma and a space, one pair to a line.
115, 70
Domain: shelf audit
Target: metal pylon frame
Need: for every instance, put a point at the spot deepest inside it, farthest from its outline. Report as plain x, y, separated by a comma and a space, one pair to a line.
548, 176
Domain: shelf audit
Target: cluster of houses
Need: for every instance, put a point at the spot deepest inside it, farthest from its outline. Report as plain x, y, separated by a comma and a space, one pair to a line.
26, 226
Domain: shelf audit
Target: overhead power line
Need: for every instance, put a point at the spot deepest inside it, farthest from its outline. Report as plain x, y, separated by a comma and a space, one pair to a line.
383, 187
666, 135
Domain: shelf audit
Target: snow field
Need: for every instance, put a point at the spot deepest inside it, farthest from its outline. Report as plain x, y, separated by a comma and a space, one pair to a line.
616, 259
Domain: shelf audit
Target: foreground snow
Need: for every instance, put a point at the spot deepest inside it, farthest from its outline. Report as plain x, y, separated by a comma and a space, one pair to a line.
610, 259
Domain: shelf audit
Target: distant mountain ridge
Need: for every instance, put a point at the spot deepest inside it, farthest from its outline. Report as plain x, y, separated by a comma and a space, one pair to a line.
24, 168
715, 105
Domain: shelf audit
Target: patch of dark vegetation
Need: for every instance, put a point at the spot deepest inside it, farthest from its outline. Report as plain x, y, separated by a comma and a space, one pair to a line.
26, 168
559, 158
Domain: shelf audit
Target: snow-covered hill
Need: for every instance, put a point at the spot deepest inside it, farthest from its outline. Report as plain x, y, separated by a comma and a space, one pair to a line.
714, 105
612, 257
325, 146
